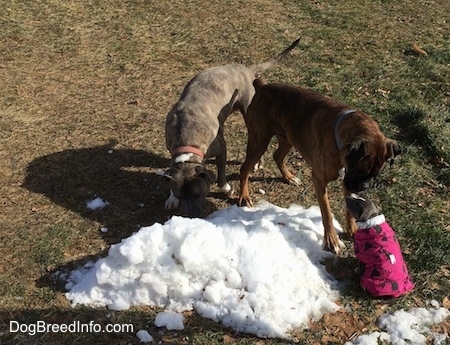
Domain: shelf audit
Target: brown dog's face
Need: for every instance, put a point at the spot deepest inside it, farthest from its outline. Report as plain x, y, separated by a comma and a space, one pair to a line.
190, 183
365, 160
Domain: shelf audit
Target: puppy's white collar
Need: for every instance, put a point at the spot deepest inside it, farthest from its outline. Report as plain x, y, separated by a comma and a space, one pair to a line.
370, 223
183, 157
187, 150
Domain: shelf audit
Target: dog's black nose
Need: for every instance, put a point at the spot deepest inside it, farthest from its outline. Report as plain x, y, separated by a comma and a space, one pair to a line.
357, 185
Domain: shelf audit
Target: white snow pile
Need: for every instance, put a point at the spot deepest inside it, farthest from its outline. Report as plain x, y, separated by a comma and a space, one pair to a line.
170, 320
144, 336
257, 270
407, 327
96, 204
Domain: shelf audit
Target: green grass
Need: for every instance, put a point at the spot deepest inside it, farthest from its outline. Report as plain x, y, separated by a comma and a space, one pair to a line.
81, 78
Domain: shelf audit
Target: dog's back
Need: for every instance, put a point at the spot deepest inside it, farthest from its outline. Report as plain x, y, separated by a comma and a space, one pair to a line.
211, 89
285, 97
282, 109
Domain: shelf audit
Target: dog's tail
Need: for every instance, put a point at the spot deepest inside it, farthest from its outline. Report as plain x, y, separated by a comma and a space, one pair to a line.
265, 65
228, 108
257, 83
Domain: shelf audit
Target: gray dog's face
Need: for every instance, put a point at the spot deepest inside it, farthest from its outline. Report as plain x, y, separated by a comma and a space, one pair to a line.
190, 183
361, 209
365, 161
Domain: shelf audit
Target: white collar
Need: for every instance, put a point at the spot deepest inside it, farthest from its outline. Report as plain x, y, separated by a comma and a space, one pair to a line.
370, 223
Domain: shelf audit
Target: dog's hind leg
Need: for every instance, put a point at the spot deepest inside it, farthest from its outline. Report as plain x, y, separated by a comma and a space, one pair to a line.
279, 156
221, 157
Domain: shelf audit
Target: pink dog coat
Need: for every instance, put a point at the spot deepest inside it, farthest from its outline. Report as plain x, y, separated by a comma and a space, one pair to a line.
377, 247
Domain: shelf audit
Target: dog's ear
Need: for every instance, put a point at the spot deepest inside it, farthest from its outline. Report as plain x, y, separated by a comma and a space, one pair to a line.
354, 206
356, 151
359, 158
202, 172
369, 210
392, 151
356, 147
359, 212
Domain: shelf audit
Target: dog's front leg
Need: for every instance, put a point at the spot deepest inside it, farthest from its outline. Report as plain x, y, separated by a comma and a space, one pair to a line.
351, 223
172, 201
330, 241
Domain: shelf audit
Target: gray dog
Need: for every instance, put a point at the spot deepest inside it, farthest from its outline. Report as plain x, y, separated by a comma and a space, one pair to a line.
194, 130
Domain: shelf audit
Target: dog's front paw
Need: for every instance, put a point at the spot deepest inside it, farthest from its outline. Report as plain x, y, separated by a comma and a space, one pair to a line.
351, 227
333, 246
295, 181
226, 188
245, 201
172, 202
259, 165
334, 249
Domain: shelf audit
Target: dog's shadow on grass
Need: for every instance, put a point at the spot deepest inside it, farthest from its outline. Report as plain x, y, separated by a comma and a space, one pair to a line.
124, 178
415, 132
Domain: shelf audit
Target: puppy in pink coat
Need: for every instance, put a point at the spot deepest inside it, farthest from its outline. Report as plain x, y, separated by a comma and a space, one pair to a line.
377, 248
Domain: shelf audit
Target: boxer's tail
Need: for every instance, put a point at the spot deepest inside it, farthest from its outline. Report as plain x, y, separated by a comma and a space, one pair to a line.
257, 83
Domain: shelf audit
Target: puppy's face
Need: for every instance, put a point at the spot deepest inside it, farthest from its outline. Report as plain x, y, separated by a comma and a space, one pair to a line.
361, 209
190, 183
365, 160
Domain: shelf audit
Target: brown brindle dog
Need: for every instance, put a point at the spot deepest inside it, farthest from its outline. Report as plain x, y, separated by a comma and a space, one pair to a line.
334, 139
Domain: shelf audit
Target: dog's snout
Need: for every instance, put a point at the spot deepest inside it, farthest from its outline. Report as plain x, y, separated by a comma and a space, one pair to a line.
355, 185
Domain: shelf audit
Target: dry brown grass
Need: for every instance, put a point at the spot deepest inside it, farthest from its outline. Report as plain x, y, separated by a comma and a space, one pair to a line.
80, 78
